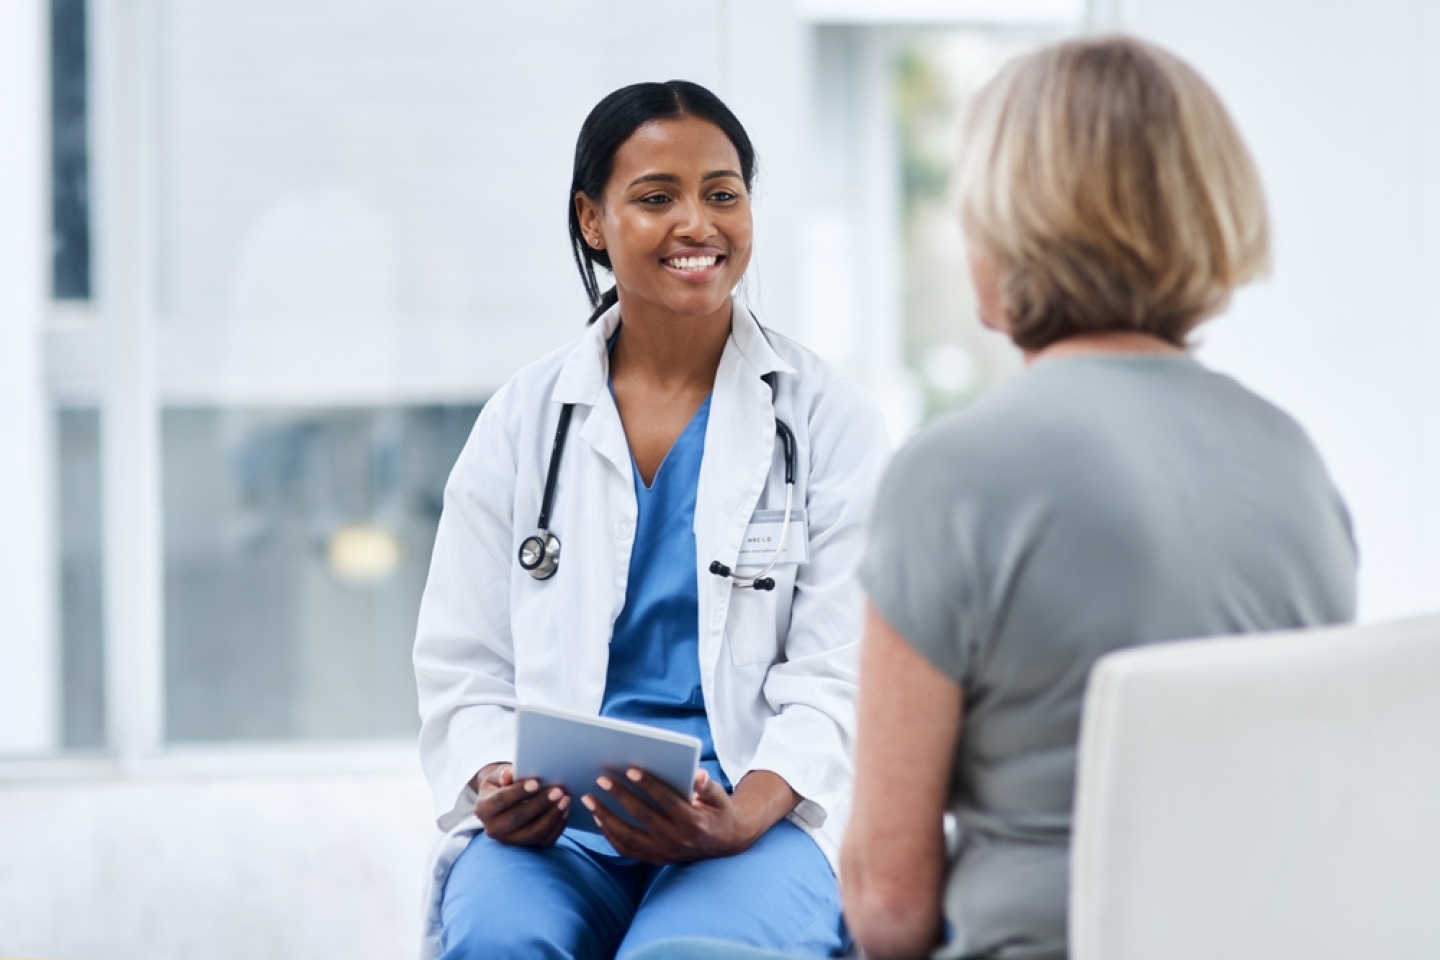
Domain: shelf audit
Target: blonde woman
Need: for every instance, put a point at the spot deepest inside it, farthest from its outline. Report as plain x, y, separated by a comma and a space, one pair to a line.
1116, 493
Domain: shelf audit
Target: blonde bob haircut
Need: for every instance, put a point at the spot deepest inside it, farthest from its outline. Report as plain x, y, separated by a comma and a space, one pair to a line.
1105, 179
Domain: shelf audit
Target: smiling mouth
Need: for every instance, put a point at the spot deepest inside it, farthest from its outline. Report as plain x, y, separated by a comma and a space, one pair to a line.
692, 264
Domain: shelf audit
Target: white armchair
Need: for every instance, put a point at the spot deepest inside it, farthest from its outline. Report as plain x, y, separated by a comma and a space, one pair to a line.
1266, 797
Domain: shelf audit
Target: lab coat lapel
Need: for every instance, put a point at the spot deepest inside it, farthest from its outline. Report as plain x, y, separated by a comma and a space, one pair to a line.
584, 380
596, 561
604, 432
739, 449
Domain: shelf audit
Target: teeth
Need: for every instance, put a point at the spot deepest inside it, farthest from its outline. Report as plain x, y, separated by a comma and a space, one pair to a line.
692, 263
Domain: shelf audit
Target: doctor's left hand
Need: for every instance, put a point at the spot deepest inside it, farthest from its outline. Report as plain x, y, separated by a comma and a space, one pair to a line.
713, 824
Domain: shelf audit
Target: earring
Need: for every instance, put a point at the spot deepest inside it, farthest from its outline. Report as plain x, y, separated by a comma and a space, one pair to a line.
595, 241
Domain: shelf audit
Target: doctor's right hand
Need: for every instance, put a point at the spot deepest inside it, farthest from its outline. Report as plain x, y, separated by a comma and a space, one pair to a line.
519, 814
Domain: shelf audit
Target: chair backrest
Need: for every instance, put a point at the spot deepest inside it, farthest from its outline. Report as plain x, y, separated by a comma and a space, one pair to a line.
1271, 797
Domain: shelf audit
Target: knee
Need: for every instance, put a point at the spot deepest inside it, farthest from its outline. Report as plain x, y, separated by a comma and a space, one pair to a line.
494, 938
480, 918
691, 948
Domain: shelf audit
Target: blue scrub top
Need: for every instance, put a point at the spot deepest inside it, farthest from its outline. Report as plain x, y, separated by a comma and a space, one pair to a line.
654, 672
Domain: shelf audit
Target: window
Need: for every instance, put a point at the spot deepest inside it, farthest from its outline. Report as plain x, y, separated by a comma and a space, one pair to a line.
76, 421
82, 646
69, 151
936, 72
296, 546
885, 294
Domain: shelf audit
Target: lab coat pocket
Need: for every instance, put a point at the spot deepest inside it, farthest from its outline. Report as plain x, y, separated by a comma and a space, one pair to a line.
759, 619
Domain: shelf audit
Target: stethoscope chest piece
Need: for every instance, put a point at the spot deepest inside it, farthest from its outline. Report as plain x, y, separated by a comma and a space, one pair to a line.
540, 555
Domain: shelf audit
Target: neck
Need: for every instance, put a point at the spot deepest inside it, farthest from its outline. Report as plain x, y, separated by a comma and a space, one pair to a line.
1112, 343
669, 350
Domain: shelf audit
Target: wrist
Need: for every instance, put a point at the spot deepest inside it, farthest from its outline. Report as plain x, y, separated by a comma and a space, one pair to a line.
477, 781
762, 799
750, 825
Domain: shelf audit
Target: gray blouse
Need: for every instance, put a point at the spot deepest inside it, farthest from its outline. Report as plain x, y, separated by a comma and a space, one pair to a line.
1092, 503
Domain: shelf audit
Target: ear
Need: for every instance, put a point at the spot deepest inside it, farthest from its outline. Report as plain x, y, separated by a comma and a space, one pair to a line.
590, 215
989, 279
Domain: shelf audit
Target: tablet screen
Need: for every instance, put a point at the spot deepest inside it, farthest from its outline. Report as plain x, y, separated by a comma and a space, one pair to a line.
572, 750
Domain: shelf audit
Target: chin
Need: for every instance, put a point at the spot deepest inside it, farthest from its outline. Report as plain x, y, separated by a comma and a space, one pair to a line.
698, 304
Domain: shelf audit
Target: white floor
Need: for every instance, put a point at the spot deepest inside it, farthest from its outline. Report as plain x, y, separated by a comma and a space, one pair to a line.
214, 868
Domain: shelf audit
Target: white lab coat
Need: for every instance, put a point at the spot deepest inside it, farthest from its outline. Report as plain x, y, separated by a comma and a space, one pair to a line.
778, 668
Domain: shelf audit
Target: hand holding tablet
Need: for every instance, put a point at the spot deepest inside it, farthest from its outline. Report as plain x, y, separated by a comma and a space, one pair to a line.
518, 814
573, 751
643, 784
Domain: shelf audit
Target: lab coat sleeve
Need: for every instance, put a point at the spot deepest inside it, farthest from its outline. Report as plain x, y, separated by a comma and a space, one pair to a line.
812, 687
464, 653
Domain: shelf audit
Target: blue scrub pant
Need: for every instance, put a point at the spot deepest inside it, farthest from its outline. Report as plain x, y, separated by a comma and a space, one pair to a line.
689, 949
572, 902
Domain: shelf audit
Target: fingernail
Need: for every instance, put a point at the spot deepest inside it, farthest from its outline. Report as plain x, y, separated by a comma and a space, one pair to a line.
589, 804
564, 804
604, 783
532, 785
632, 775
556, 794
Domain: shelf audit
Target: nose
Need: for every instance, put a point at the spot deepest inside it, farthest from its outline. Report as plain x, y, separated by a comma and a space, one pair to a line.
693, 221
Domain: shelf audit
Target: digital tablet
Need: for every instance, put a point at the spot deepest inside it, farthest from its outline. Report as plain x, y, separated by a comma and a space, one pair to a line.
571, 750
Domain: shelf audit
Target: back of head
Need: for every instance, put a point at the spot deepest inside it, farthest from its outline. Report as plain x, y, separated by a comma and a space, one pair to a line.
1106, 179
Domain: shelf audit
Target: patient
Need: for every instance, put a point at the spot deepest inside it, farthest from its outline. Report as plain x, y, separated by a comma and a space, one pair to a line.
1116, 493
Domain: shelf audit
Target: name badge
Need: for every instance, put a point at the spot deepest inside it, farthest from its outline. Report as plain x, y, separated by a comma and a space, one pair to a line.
762, 536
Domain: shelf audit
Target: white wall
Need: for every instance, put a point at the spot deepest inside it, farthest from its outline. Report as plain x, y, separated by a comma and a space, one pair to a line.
362, 202
763, 79
1340, 102
28, 715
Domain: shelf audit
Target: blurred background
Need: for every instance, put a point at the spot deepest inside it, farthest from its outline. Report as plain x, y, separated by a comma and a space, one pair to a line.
261, 264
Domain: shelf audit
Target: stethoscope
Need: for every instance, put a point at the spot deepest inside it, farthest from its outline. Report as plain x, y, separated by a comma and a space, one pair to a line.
540, 554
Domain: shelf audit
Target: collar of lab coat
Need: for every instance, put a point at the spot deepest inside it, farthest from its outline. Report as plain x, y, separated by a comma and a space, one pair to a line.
582, 378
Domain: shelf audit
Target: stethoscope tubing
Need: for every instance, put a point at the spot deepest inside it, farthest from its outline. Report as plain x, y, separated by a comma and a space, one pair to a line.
547, 500
755, 581
539, 555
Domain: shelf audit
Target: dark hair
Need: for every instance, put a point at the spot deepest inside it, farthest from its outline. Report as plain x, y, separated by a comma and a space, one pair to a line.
608, 126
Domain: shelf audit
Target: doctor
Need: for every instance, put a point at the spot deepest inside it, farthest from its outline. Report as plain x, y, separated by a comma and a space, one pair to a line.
592, 556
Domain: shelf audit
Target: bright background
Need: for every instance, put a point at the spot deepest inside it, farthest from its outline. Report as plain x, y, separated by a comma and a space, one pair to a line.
261, 263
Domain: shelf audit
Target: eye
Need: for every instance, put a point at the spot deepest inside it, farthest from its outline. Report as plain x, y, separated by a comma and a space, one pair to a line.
654, 200
724, 196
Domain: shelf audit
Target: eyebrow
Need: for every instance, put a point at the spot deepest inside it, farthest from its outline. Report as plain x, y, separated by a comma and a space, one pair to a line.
671, 178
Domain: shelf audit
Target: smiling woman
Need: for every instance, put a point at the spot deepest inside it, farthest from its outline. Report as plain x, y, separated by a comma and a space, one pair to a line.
674, 224
674, 465
648, 206
635, 127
